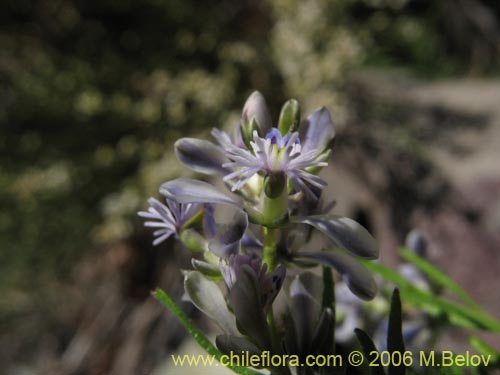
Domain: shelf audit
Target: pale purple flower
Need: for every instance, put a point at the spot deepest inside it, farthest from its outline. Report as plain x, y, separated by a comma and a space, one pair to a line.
273, 154
224, 234
266, 150
169, 218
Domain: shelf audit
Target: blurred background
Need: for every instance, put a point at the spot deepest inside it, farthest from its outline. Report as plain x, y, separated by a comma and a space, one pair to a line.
93, 95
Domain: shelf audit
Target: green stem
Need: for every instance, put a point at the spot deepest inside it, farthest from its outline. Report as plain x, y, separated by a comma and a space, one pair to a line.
274, 209
270, 256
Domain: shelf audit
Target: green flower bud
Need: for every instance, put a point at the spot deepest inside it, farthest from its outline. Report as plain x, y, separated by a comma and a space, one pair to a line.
193, 240
247, 129
206, 269
274, 184
274, 203
289, 117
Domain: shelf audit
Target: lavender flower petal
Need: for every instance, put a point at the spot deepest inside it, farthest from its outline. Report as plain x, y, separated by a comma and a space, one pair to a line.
231, 271
209, 223
250, 242
168, 218
356, 276
185, 190
201, 156
317, 131
274, 154
228, 235
344, 232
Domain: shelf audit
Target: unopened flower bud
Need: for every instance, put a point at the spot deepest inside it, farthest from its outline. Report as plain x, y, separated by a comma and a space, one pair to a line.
193, 240
274, 184
416, 242
205, 268
247, 129
255, 107
289, 117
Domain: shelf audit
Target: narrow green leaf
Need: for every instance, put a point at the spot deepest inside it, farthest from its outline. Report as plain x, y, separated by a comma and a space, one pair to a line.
485, 349
437, 276
459, 315
200, 338
387, 273
369, 347
395, 342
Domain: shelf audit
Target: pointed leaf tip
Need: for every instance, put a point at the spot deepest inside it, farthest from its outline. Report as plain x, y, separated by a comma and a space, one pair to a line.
358, 279
344, 232
395, 341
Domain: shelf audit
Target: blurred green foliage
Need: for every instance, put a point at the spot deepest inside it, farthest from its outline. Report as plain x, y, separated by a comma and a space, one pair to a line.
94, 93
92, 96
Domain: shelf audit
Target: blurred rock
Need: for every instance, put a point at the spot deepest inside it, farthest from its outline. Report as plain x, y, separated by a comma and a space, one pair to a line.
425, 155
